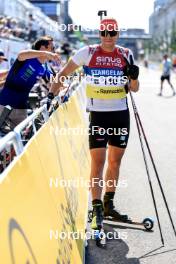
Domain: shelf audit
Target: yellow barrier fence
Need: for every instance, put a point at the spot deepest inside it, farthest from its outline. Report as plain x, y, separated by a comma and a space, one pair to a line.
44, 196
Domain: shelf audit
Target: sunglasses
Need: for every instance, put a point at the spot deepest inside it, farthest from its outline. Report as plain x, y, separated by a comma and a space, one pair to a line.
105, 33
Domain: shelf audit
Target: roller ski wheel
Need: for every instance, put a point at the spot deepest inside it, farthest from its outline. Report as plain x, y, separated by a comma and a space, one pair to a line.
148, 224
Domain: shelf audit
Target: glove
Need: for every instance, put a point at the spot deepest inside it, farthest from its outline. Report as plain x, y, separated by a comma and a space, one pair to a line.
133, 72
49, 100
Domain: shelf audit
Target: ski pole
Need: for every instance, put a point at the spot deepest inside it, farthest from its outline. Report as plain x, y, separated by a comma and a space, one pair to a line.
147, 169
153, 164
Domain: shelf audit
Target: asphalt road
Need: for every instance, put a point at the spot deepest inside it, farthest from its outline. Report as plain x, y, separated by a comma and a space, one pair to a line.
135, 245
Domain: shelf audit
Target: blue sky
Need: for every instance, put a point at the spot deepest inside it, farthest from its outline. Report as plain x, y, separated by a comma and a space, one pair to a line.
129, 13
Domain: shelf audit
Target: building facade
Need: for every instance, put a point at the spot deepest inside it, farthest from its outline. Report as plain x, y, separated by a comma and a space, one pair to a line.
50, 8
55, 9
162, 19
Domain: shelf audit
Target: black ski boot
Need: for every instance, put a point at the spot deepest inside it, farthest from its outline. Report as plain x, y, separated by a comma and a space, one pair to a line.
97, 217
109, 211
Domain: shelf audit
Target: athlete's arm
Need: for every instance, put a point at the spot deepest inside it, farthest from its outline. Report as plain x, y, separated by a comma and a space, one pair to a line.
79, 59
133, 85
69, 68
31, 54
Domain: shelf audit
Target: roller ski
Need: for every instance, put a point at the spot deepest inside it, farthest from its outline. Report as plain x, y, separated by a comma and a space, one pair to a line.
147, 223
111, 214
97, 224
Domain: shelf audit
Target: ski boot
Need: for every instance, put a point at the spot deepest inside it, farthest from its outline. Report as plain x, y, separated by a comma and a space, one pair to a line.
110, 212
97, 223
97, 215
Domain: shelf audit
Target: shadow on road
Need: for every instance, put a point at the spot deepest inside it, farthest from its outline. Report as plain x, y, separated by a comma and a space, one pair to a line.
167, 96
149, 254
115, 252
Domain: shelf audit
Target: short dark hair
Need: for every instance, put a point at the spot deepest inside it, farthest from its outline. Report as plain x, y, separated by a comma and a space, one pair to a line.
42, 41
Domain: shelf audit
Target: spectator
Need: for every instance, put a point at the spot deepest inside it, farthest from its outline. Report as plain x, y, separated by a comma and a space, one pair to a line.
11, 28
66, 50
33, 27
24, 73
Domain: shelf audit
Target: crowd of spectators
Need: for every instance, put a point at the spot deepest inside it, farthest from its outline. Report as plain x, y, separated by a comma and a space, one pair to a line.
13, 28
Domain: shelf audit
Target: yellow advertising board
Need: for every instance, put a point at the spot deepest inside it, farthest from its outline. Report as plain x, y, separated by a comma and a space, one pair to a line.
44, 196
